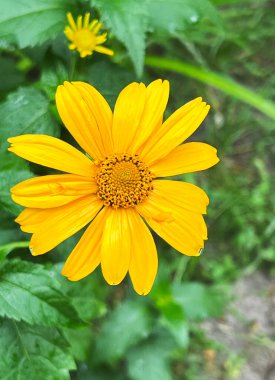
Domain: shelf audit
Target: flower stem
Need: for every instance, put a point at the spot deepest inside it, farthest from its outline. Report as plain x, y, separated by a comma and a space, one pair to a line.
72, 66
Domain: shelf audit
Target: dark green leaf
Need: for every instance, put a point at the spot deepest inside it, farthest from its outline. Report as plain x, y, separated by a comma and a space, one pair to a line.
80, 341
11, 77
174, 16
28, 352
127, 20
8, 248
127, 325
109, 79
52, 77
83, 295
150, 360
9, 231
199, 301
32, 22
30, 293
9, 178
25, 111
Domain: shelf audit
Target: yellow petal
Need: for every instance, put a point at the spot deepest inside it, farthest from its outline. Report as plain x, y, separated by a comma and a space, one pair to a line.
157, 94
71, 21
93, 24
86, 255
103, 50
144, 258
58, 224
127, 115
79, 120
100, 39
101, 112
79, 22
116, 244
69, 33
186, 158
173, 210
86, 20
30, 219
96, 28
53, 153
52, 190
177, 128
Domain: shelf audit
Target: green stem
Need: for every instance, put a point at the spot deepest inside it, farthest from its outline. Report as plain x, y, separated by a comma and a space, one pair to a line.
216, 80
9, 247
72, 66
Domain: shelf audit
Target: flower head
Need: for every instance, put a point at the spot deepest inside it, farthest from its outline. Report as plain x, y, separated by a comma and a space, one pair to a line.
119, 191
84, 36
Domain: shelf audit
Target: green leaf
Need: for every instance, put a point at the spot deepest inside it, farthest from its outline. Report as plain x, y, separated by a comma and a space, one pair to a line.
28, 352
150, 360
11, 77
127, 325
25, 111
9, 231
109, 79
9, 178
174, 16
80, 341
83, 295
8, 248
52, 77
128, 21
172, 316
174, 320
29, 292
32, 22
199, 301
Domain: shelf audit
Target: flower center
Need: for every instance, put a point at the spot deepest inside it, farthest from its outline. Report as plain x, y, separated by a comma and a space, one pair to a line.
85, 39
123, 181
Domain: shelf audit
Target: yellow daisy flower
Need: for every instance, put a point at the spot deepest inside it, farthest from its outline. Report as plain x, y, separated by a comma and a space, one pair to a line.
117, 186
84, 36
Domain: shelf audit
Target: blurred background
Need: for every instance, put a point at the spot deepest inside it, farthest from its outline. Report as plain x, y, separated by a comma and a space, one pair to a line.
207, 318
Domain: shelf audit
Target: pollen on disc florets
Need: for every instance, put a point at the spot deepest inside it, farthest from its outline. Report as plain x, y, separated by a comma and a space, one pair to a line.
123, 181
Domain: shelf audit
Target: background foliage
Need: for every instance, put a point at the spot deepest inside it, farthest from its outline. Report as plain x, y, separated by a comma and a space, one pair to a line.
51, 329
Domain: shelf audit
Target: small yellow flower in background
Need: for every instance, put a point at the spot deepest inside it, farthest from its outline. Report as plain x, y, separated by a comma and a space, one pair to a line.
120, 190
84, 36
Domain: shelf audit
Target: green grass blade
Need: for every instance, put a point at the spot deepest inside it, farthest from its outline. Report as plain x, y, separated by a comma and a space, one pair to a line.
216, 80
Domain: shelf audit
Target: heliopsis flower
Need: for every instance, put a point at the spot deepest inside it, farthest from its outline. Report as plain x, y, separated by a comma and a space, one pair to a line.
84, 36
117, 187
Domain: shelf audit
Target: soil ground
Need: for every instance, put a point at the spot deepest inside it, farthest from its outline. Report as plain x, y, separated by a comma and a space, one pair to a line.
246, 333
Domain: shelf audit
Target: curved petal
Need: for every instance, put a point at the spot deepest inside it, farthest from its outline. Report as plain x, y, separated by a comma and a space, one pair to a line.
116, 244
127, 115
173, 210
71, 21
186, 158
177, 128
79, 120
144, 259
30, 219
53, 153
86, 255
101, 111
52, 226
103, 50
157, 94
52, 190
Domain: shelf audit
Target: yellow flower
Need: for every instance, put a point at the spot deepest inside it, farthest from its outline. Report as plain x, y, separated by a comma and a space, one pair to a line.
84, 36
117, 186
